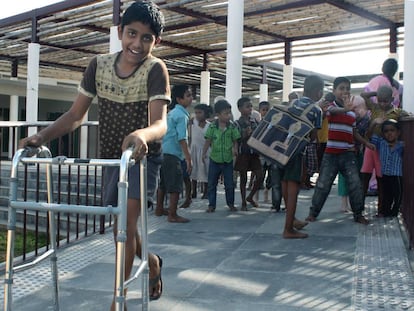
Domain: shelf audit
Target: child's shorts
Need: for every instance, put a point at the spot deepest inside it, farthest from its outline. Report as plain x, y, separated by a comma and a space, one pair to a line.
371, 161
111, 178
248, 162
293, 169
171, 174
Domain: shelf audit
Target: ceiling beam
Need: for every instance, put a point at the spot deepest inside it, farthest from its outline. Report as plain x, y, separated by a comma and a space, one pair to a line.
45, 11
205, 18
349, 7
283, 7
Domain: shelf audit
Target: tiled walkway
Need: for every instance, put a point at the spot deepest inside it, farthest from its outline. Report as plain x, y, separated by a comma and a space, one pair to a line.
239, 261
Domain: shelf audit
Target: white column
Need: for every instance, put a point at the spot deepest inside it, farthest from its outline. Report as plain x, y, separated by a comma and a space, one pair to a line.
234, 61
264, 92
287, 81
14, 115
32, 90
205, 87
114, 42
84, 138
408, 93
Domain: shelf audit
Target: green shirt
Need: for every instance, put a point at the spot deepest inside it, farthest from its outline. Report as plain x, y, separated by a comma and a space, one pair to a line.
222, 142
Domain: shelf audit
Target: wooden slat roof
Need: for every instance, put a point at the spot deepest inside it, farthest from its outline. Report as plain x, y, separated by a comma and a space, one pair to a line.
71, 32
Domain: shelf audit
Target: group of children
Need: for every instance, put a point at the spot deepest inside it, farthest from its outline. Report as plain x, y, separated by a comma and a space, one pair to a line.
362, 135
212, 149
356, 126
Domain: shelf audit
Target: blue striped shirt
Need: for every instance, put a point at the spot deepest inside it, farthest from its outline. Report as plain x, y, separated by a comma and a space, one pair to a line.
391, 158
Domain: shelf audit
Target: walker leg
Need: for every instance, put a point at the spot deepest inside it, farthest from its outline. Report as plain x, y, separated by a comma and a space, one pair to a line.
120, 272
53, 261
11, 229
120, 243
8, 277
144, 234
53, 233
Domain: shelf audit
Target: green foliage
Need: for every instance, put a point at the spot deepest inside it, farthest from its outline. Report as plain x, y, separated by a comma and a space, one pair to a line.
18, 244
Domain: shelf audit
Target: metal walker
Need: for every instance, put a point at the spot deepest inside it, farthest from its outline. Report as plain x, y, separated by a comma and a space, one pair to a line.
43, 156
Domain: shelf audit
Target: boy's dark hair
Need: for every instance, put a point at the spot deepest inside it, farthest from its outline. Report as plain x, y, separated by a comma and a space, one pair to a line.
221, 105
206, 108
390, 67
390, 122
263, 104
242, 101
146, 12
384, 92
340, 80
312, 86
177, 91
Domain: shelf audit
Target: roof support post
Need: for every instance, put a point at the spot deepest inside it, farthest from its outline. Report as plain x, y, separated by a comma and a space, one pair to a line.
32, 89
32, 84
263, 88
205, 82
114, 42
14, 110
408, 94
287, 71
234, 62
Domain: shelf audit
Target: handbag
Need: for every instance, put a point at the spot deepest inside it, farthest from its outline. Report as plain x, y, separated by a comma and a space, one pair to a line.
281, 134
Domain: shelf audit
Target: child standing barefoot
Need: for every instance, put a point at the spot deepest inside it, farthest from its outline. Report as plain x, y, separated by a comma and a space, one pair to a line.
247, 159
199, 128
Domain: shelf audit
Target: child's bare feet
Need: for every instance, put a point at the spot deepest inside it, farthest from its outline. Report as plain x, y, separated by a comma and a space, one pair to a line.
232, 208
186, 204
243, 207
252, 202
210, 209
310, 218
177, 219
161, 212
297, 224
293, 234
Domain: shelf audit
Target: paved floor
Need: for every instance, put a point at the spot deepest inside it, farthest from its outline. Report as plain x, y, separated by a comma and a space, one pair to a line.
239, 261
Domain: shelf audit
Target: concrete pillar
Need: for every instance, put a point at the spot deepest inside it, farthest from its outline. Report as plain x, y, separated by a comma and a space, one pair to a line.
234, 61
14, 116
264, 92
287, 81
114, 42
84, 138
32, 90
408, 94
205, 87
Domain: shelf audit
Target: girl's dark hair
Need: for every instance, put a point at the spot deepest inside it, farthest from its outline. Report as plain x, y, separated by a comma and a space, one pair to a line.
177, 91
146, 12
206, 108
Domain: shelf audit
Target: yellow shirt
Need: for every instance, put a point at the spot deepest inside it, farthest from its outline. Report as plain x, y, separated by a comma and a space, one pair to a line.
323, 132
